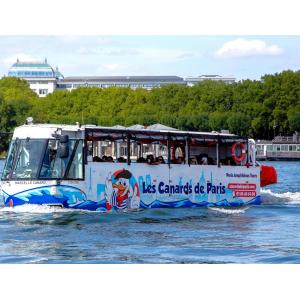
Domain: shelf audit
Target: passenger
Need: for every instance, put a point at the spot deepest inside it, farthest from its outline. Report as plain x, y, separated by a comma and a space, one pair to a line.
150, 160
193, 161
104, 158
204, 160
52, 160
97, 159
141, 160
226, 161
160, 160
57, 164
211, 161
199, 158
110, 159
52, 156
121, 159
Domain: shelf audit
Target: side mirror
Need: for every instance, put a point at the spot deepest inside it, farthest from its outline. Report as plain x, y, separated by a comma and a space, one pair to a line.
64, 147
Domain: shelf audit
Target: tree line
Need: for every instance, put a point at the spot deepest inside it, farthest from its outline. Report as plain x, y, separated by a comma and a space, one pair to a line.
254, 108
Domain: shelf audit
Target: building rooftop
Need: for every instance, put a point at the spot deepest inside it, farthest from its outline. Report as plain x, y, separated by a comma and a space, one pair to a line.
39, 65
210, 76
123, 79
31, 69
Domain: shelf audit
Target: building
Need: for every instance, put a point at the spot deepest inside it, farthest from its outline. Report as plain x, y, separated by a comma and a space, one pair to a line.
191, 81
41, 77
147, 82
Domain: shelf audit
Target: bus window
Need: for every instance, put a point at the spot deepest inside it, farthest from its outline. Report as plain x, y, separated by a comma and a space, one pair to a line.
28, 158
76, 165
53, 166
152, 153
10, 159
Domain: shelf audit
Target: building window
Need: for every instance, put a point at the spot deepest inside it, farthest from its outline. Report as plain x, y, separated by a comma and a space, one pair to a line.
94, 85
106, 85
64, 86
123, 151
43, 91
122, 85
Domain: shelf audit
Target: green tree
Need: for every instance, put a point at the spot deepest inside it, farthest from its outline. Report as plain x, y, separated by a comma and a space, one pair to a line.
218, 120
294, 119
239, 123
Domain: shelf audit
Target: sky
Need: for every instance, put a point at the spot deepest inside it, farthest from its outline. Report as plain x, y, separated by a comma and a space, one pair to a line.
244, 57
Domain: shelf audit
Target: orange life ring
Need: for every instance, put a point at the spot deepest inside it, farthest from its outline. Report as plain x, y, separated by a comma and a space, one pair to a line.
236, 158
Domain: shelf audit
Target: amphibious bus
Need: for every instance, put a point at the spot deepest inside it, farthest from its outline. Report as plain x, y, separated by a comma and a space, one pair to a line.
116, 168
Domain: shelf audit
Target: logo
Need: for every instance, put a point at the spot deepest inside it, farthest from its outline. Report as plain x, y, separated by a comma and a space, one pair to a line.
122, 191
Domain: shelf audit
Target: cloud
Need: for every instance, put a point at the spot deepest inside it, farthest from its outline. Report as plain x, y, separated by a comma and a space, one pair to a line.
185, 55
122, 52
166, 55
91, 40
243, 48
85, 50
108, 51
144, 53
112, 67
21, 56
122, 69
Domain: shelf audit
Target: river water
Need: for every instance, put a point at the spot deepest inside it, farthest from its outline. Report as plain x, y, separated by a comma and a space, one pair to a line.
268, 233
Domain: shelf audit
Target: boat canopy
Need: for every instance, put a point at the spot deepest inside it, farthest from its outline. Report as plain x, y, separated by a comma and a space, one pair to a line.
141, 135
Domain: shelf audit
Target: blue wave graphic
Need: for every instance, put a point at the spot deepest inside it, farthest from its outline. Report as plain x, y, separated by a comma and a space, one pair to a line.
92, 205
71, 197
64, 195
187, 203
179, 203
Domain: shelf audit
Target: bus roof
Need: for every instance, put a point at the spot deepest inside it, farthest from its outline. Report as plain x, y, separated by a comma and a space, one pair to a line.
101, 132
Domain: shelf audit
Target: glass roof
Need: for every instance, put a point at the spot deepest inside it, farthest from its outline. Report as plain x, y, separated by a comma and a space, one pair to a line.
33, 69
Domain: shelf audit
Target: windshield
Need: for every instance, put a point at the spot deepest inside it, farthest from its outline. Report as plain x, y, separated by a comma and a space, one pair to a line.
43, 159
10, 159
23, 159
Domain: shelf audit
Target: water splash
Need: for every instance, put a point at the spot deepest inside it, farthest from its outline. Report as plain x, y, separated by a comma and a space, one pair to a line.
37, 209
229, 211
269, 197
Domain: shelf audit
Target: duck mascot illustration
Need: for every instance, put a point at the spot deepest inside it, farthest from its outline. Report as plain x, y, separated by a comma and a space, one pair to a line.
122, 191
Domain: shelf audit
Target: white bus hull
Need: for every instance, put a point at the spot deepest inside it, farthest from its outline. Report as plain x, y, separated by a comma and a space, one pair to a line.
115, 186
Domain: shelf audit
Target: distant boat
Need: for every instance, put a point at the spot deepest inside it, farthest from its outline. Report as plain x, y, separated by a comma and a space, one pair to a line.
280, 148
